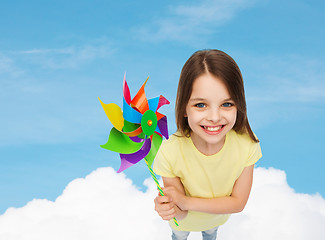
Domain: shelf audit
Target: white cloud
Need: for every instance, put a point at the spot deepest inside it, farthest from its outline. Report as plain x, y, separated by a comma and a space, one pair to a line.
106, 205
188, 22
276, 211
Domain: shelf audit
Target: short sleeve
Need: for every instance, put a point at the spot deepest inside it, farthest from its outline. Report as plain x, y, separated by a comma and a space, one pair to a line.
255, 154
162, 165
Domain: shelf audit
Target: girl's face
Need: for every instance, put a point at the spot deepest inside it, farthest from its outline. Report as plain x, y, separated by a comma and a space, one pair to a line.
211, 114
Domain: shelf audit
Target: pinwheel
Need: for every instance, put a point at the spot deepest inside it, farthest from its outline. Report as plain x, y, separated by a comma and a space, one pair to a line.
138, 130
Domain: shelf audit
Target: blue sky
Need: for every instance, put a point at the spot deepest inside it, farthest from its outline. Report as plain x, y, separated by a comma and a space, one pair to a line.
57, 57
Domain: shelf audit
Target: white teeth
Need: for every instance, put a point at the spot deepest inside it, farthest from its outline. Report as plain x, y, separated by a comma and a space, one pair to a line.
213, 129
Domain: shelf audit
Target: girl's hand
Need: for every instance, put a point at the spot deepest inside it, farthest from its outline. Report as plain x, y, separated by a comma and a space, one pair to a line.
176, 196
165, 207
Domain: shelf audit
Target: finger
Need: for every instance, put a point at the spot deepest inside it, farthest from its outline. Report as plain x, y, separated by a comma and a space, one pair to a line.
169, 216
167, 206
162, 199
168, 190
165, 209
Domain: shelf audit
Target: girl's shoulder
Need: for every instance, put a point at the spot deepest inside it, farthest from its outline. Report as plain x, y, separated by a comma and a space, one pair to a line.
174, 142
248, 149
240, 138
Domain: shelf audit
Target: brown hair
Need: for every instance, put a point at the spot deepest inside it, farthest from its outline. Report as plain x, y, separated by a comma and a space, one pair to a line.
222, 66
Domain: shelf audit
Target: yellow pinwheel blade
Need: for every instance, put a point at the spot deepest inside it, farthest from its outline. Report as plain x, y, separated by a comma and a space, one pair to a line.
114, 114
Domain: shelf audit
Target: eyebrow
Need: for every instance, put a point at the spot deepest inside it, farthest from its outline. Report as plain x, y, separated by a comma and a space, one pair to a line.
197, 99
203, 99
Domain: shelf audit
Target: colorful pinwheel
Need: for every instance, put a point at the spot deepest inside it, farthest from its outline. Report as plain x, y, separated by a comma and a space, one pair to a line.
138, 130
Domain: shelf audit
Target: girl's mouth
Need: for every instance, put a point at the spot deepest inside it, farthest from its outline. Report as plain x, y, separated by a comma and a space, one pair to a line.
213, 129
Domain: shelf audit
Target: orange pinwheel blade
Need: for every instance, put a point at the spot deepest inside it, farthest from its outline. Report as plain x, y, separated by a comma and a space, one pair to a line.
140, 101
134, 133
159, 116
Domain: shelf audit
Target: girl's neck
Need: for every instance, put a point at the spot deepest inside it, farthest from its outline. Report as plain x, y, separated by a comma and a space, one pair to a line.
206, 148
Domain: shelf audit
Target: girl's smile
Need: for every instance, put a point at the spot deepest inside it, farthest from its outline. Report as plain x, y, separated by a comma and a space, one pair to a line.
211, 113
213, 129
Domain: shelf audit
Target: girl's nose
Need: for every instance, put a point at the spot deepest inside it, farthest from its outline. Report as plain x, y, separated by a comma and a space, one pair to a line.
213, 115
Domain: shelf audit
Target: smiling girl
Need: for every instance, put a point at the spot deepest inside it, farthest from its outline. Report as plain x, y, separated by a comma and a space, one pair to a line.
207, 165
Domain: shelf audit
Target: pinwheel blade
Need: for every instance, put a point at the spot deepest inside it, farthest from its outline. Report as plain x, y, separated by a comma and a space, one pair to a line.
130, 114
163, 127
119, 142
156, 141
127, 160
137, 139
162, 101
114, 114
126, 91
159, 115
133, 129
129, 126
140, 101
134, 133
153, 103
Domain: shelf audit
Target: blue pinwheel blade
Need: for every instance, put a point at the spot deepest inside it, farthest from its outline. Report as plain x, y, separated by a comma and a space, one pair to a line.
130, 114
153, 103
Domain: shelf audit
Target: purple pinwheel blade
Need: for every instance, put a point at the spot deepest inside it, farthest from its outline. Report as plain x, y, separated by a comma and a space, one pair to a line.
137, 139
163, 128
124, 165
127, 160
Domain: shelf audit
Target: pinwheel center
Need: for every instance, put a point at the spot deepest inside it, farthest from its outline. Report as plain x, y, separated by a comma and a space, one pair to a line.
149, 122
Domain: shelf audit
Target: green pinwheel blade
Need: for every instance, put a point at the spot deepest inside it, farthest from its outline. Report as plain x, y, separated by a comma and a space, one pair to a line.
129, 127
121, 143
155, 145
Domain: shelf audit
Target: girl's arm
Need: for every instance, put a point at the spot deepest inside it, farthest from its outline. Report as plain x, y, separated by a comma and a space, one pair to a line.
222, 205
164, 205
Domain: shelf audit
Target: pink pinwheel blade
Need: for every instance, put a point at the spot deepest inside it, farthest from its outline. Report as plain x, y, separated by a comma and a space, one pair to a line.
127, 160
162, 101
126, 91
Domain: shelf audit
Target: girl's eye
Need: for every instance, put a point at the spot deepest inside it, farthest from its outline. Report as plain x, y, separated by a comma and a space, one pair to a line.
228, 104
200, 105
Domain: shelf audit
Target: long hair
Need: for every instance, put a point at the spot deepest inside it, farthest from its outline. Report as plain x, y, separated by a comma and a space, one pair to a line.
223, 67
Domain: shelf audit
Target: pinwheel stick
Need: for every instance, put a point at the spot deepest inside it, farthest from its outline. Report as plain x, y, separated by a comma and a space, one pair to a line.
153, 175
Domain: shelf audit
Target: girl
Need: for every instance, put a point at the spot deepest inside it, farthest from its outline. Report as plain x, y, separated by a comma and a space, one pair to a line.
207, 165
